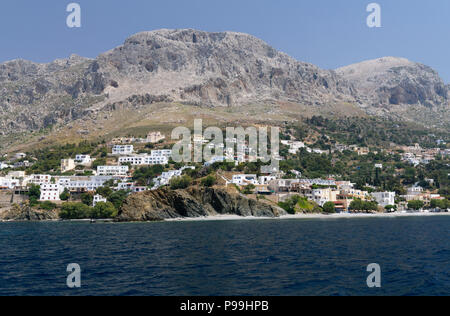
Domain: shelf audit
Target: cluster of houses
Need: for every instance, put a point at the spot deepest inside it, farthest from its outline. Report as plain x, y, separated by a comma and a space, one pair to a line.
52, 187
17, 161
416, 155
321, 191
295, 146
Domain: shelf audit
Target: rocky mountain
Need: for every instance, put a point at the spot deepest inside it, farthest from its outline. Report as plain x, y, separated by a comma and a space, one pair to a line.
213, 70
396, 81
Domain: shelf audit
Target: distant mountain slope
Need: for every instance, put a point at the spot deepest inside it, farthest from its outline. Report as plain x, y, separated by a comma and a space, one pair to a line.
396, 81
212, 70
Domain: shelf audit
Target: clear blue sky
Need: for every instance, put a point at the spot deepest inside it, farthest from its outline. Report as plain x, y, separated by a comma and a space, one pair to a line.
328, 33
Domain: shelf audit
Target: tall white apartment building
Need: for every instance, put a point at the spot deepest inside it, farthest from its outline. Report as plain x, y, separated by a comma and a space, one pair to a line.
115, 171
51, 192
122, 149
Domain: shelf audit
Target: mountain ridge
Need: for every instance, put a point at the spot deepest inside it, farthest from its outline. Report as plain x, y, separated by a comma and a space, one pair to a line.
214, 70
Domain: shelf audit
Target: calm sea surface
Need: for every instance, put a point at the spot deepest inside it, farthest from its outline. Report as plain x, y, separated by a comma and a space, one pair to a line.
246, 257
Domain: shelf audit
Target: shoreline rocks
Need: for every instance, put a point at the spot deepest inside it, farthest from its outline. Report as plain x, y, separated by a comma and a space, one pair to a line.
193, 202
23, 212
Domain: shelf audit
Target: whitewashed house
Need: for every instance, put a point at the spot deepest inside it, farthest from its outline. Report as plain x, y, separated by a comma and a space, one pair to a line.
245, 179
83, 159
265, 180
97, 199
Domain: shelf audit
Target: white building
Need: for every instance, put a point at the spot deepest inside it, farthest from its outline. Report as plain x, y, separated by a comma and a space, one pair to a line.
384, 198
144, 160
294, 146
3, 165
154, 137
265, 180
115, 171
83, 184
98, 198
51, 192
415, 190
165, 177
245, 179
67, 165
20, 156
162, 153
122, 149
322, 196
8, 183
83, 159
40, 179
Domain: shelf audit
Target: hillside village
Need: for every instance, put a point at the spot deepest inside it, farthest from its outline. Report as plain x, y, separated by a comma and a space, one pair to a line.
105, 174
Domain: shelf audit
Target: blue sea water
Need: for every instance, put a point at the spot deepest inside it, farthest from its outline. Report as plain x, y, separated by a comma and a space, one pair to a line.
242, 257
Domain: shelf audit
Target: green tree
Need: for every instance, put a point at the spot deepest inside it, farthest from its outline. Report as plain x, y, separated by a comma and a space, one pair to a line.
65, 196
290, 204
415, 205
34, 194
104, 210
209, 181
390, 208
117, 198
47, 206
87, 199
34, 191
249, 189
180, 182
72, 210
329, 208
442, 204
104, 191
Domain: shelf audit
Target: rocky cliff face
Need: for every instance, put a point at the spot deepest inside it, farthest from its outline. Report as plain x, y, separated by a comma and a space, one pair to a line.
35, 96
209, 69
219, 69
23, 212
193, 202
